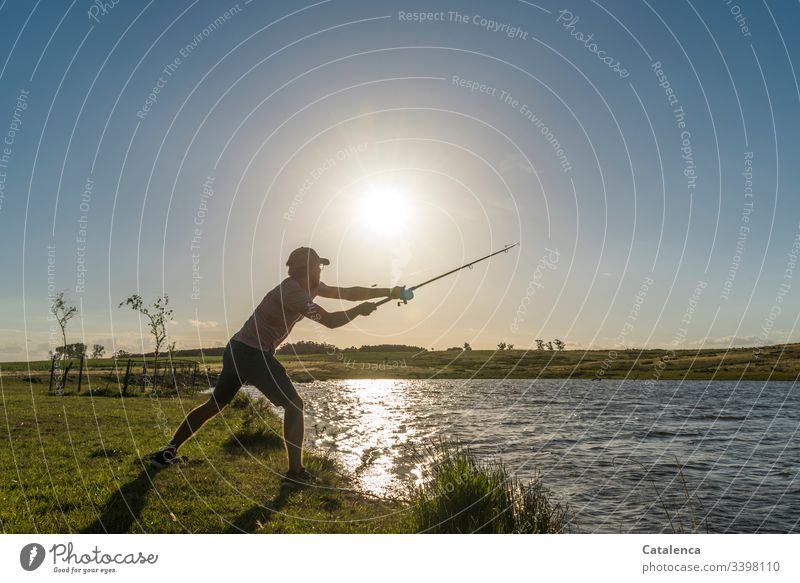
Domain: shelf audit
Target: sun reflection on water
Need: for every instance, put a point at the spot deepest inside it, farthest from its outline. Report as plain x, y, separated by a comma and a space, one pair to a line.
374, 427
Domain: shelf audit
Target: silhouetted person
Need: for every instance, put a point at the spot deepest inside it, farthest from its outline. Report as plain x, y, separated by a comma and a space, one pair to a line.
249, 356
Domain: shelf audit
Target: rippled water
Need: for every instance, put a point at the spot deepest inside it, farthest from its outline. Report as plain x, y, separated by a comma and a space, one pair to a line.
607, 448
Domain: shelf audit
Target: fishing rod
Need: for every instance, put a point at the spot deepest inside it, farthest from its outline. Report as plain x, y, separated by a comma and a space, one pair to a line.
438, 277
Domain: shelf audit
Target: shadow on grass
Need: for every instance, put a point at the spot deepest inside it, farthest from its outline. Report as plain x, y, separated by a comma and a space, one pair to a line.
124, 507
321, 465
249, 520
252, 441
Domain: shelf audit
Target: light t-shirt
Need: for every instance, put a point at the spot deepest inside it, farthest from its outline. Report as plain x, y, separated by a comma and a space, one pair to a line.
276, 315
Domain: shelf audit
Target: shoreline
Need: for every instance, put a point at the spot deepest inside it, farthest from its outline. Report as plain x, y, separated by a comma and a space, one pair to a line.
98, 479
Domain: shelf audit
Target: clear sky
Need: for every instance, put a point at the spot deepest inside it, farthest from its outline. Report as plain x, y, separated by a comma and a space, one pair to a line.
644, 154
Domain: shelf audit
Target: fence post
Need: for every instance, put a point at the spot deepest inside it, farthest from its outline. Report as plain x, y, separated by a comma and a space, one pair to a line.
194, 375
64, 378
127, 376
80, 372
52, 372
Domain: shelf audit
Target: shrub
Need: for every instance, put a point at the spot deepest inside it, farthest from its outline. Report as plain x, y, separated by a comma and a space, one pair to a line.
460, 494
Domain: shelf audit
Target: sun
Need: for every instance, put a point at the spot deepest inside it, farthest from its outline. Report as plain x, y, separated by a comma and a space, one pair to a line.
384, 208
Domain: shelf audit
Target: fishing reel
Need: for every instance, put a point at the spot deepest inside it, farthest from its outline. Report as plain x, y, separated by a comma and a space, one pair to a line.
405, 295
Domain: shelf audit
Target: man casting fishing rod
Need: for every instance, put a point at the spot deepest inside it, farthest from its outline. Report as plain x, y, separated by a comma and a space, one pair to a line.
249, 357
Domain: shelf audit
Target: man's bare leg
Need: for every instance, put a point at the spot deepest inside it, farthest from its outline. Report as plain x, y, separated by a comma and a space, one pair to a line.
293, 433
194, 420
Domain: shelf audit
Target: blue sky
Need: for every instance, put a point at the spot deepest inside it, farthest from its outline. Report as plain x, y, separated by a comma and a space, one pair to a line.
274, 122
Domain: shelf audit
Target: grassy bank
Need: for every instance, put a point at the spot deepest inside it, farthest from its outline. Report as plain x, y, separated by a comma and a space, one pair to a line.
74, 464
780, 362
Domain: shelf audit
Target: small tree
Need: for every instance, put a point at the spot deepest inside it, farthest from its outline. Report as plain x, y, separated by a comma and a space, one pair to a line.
539, 344
158, 314
559, 344
501, 346
98, 350
121, 354
549, 346
63, 311
510, 347
74, 350
466, 346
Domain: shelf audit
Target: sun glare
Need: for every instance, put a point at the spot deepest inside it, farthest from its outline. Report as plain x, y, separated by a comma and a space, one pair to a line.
384, 208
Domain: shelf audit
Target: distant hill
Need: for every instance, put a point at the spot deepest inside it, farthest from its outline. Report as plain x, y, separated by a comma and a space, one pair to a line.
215, 351
307, 347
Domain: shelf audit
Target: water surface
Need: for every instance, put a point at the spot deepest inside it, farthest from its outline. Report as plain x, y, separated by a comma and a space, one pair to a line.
611, 449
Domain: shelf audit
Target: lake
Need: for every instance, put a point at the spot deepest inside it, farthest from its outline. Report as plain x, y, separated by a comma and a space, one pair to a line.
610, 449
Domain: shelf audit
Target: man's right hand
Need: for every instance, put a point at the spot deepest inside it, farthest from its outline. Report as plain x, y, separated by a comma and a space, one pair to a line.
366, 308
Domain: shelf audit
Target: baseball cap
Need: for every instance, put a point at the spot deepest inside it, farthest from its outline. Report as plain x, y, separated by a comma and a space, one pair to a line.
306, 256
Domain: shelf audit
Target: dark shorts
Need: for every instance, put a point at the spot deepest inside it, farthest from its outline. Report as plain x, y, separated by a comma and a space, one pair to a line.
242, 364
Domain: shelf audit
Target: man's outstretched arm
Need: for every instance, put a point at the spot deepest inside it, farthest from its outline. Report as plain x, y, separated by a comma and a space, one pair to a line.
359, 294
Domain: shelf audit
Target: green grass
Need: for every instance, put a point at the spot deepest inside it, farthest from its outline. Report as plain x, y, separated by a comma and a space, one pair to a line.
460, 494
73, 464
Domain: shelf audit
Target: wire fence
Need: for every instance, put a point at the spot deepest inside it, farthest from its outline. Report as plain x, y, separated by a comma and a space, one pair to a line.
128, 377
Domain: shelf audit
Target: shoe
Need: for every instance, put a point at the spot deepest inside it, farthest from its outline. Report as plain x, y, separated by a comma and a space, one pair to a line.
164, 457
300, 479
